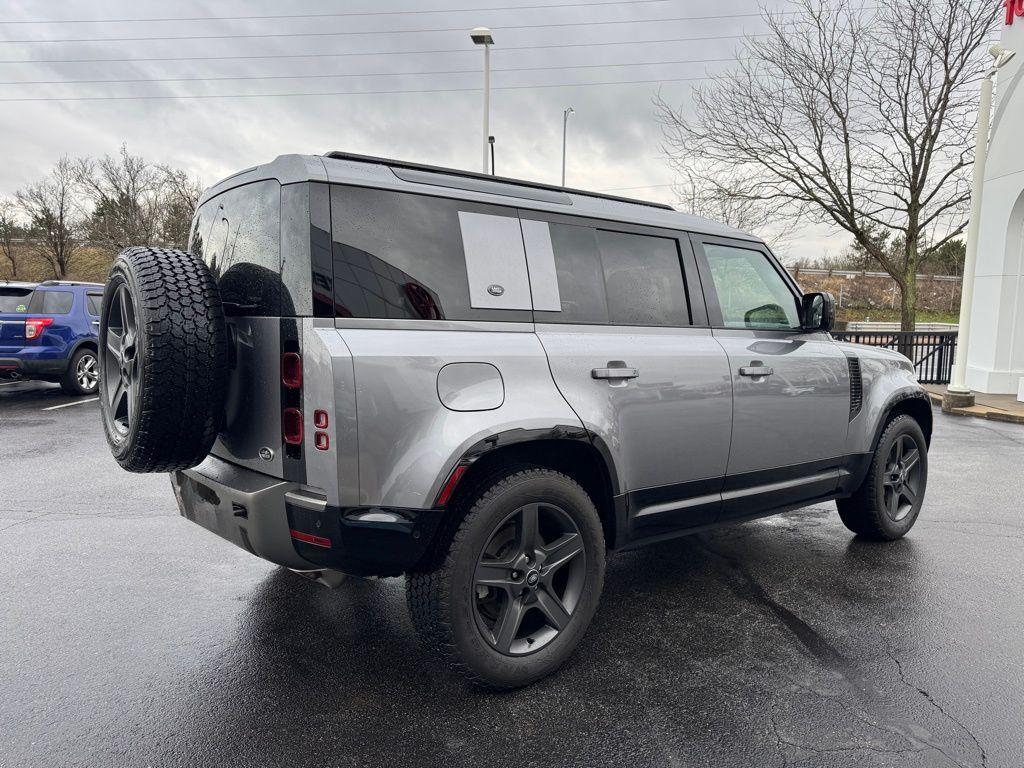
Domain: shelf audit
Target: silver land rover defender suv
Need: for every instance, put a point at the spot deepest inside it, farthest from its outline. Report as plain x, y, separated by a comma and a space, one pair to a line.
485, 385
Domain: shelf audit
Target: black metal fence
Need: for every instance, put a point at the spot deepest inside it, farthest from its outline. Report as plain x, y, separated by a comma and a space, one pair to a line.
931, 352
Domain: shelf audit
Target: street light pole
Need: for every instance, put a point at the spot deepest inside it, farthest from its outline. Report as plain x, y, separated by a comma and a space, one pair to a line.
482, 36
957, 394
565, 122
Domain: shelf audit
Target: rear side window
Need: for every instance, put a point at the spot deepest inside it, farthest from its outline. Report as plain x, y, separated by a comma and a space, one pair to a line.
404, 256
643, 280
238, 235
94, 301
15, 299
52, 302
616, 278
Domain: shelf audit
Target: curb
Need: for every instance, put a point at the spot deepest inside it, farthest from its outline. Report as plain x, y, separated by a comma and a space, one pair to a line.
978, 411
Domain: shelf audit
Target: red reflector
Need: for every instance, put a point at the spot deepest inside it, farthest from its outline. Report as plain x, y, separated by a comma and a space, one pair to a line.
449, 487
291, 370
309, 538
322, 441
291, 426
34, 326
320, 419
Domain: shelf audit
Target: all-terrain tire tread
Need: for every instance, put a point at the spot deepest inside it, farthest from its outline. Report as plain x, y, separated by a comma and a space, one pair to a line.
427, 593
183, 340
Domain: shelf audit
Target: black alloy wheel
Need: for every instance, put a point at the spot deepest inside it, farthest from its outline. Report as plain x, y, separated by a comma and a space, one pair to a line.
529, 579
516, 585
120, 360
901, 481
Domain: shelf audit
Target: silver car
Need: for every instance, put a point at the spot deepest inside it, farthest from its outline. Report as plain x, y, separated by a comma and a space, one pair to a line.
379, 368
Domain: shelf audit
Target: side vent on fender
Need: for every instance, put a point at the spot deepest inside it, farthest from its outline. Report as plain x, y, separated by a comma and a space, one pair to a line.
856, 386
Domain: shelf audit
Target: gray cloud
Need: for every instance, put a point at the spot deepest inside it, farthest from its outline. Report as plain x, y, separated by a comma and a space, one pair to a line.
613, 137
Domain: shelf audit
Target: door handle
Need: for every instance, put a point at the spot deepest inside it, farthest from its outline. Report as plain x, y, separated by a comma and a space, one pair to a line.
756, 370
616, 370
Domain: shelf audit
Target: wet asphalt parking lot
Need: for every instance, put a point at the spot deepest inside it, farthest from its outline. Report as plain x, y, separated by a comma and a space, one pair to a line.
131, 637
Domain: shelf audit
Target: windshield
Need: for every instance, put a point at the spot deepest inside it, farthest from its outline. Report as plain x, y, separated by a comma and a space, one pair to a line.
15, 299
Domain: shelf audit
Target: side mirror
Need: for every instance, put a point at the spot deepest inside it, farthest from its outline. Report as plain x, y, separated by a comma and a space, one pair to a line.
817, 312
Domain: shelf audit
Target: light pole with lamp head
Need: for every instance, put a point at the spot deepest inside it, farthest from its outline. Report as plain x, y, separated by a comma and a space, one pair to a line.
957, 395
482, 36
565, 122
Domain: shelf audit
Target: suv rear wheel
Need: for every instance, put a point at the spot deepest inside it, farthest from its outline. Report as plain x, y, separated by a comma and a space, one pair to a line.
520, 583
887, 504
83, 374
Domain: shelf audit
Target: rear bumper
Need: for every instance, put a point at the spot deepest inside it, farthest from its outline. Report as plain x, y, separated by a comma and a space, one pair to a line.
30, 367
279, 521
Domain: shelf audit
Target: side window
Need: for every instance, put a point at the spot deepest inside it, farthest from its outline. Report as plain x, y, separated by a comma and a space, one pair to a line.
94, 301
238, 235
616, 278
750, 292
52, 302
580, 276
643, 280
404, 256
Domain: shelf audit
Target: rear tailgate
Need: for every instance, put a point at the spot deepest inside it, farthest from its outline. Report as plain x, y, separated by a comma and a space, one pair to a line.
12, 332
237, 234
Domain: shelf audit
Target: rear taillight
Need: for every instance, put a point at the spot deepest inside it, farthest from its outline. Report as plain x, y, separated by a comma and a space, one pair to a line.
34, 326
291, 370
291, 426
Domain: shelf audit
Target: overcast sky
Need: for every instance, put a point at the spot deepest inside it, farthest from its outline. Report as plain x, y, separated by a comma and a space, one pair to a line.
614, 139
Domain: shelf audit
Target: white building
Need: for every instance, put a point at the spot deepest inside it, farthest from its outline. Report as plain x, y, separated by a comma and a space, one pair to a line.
995, 360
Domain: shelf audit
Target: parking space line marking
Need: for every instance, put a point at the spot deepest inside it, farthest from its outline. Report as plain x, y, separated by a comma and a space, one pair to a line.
67, 405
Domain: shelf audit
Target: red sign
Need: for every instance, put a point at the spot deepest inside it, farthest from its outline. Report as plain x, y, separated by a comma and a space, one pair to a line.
1013, 8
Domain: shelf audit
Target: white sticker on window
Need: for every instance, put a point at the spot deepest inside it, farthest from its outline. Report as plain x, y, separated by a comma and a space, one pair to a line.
495, 261
541, 260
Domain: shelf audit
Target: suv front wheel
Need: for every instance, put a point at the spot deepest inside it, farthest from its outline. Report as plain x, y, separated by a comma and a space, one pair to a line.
887, 504
520, 582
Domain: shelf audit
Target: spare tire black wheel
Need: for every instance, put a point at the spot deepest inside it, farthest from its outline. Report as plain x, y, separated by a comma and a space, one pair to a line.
163, 360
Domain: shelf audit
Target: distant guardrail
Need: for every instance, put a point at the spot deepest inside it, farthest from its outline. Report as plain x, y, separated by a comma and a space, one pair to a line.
870, 325
852, 273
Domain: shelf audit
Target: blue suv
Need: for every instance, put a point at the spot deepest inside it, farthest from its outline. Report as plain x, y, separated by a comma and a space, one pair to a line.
49, 331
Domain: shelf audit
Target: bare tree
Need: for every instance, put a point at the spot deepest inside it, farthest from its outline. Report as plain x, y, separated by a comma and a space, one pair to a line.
180, 197
695, 195
859, 117
9, 230
125, 195
51, 210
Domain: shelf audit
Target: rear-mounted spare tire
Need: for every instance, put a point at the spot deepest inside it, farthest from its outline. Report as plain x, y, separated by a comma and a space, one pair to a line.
163, 360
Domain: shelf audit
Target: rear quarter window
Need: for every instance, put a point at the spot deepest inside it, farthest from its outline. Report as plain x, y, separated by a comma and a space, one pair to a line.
94, 301
238, 235
52, 302
402, 256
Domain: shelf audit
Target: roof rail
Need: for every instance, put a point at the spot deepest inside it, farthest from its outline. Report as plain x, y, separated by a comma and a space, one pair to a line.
69, 282
488, 177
